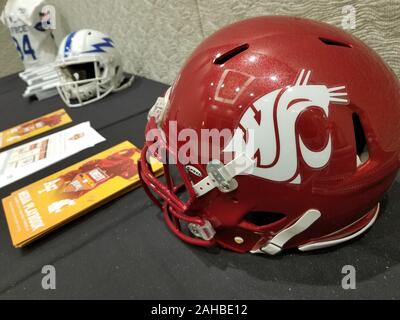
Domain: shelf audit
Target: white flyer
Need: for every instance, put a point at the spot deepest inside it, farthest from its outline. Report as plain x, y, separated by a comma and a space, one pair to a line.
31, 157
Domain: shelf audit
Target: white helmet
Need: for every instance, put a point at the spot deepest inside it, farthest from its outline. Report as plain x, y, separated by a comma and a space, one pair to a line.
89, 68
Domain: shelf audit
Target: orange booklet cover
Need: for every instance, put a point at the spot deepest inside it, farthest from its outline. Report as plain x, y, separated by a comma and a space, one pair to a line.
34, 127
51, 202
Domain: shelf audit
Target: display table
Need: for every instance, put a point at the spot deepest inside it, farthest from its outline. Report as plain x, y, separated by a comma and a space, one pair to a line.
123, 250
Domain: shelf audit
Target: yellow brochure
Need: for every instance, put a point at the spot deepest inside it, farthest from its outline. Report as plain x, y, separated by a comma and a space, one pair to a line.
51, 202
33, 128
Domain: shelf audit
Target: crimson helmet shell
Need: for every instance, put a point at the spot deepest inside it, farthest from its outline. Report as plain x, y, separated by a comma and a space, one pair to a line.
226, 79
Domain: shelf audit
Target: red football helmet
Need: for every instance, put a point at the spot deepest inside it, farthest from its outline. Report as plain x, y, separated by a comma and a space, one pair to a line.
322, 112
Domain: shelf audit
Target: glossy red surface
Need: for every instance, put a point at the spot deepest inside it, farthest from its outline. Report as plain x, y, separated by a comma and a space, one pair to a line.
209, 95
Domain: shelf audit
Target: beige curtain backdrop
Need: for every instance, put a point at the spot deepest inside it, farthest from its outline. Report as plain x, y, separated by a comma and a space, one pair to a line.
9, 58
155, 36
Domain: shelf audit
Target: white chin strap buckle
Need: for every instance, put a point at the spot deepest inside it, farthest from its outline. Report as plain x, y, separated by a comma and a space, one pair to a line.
205, 232
222, 176
276, 244
158, 109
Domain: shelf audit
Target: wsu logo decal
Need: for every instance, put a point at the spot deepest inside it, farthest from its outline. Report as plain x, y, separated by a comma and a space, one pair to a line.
274, 139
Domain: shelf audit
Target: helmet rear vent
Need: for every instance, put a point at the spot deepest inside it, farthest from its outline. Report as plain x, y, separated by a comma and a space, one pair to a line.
331, 42
263, 218
230, 54
361, 140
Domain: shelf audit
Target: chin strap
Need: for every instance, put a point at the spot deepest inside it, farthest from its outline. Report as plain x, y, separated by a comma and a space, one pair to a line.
126, 83
222, 176
276, 244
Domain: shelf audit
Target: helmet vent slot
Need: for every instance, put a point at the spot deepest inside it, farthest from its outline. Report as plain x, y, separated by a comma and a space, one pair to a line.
230, 54
331, 42
263, 218
361, 141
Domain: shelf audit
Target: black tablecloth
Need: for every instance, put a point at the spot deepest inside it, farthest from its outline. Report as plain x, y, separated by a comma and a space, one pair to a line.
124, 250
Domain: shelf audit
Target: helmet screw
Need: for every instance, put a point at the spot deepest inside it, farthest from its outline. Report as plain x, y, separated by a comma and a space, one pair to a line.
239, 240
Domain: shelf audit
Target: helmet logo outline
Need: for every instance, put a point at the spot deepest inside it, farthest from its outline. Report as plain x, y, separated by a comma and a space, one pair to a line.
273, 118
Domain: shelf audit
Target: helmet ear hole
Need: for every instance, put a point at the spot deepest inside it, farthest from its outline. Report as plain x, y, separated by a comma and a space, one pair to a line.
263, 218
360, 141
